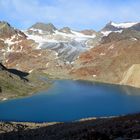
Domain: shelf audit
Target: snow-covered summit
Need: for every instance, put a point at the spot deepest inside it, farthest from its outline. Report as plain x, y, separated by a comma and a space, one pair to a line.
124, 25
66, 42
43, 33
117, 27
48, 28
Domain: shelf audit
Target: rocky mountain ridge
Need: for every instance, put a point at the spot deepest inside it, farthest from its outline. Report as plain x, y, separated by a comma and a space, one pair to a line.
104, 56
111, 59
67, 43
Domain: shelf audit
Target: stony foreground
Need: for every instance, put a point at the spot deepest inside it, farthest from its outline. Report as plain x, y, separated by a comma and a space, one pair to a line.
119, 128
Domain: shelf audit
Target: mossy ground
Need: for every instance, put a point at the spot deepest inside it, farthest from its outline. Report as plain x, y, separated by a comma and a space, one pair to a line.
13, 86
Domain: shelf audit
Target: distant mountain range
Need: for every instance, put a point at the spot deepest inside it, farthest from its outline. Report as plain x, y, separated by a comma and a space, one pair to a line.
111, 55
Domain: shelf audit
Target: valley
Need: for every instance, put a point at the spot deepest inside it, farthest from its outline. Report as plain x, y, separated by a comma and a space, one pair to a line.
59, 77
69, 69
104, 56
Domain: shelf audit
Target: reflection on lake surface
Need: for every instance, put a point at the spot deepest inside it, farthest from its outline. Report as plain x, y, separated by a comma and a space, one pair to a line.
69, 100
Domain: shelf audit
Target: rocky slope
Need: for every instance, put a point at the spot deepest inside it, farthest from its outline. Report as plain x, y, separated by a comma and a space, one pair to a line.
119, 128
104, 56
119, 27
111, 59
131, 76
15, 83
43, 47
65, 42
19, 52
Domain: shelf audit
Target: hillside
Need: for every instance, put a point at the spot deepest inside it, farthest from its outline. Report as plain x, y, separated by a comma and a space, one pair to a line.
103, 56
14, 83
111, 59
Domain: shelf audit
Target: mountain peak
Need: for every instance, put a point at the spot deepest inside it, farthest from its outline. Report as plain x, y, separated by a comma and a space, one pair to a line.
6, 29
88, 32
4, 23
119, 27
124, 25
49, 27
65, 30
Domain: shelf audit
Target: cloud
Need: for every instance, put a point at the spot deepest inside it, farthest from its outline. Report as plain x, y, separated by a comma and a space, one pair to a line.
74, 13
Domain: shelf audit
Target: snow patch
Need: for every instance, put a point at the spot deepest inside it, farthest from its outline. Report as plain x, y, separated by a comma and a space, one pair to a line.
72, 62
106, 33
134, 39
102, 54
67, 62
1, 39
40, 40
39, 54
4, 99
124, 25
47, 64
111, 47
31, 71
46, 38
56, 53
6, 60
94, 75
37, 30
10, 42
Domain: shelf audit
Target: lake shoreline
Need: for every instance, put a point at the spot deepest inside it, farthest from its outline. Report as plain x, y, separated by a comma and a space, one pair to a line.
9, 97
61, 103
127, 126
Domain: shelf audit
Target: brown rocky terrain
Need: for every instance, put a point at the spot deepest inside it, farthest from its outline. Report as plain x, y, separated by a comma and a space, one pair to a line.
114, 57
19, 52
111, 59
34, 60
88, 32
118, 128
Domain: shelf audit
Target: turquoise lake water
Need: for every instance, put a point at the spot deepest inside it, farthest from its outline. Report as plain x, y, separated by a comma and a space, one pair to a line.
69, 100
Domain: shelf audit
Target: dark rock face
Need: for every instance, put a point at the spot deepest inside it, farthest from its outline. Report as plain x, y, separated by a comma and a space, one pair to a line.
110, 27
135, 27
6, 29
14, 72
50, 28
2, 67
